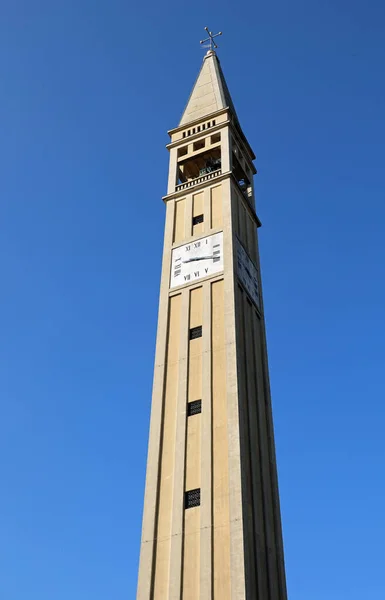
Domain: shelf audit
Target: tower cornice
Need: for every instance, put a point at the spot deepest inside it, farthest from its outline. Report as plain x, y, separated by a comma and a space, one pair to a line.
230, 121
192, 124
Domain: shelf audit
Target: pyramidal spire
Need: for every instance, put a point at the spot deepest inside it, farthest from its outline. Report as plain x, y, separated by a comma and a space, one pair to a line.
210, 92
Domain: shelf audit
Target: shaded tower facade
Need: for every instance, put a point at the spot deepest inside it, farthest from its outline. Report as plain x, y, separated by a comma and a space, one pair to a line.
211, 522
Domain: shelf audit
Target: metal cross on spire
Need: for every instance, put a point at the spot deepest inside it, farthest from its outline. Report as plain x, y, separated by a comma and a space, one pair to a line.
210, 39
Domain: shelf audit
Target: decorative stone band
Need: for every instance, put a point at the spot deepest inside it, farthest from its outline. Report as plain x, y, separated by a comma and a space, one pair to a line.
192, 182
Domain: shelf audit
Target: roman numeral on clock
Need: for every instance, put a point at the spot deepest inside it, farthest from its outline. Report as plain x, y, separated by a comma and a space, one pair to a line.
178, 266
217, 253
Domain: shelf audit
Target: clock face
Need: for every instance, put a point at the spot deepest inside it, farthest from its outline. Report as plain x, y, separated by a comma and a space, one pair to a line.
248, 274
197, 259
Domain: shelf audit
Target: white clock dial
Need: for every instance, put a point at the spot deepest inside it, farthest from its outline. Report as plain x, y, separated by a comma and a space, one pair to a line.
248, 274
197, 259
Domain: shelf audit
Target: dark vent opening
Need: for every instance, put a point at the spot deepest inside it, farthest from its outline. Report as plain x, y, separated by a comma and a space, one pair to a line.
195, 332
198, 219
192, 498
194, 408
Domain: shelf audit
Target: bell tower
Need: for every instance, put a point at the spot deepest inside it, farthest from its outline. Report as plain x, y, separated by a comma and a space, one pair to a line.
211, 522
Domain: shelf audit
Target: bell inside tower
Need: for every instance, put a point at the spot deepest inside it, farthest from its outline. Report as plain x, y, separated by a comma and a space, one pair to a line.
199, 158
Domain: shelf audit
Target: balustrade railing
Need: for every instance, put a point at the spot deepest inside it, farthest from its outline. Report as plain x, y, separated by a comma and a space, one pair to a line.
201, 179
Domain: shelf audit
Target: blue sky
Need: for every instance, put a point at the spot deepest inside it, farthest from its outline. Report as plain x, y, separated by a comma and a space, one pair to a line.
88, 91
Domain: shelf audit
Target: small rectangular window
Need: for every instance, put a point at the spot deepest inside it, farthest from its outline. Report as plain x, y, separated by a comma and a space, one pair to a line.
184, 134
194, 408
199, 145
215, 138
192, 498
198, 219
182, 151
195, 332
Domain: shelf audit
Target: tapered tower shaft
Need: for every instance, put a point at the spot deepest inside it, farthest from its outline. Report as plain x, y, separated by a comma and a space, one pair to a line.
211, 522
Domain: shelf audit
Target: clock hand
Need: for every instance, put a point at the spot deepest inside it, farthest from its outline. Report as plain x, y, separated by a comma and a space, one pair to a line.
198, 258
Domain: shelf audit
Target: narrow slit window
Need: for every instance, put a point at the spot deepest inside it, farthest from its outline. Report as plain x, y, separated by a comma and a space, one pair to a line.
194, 408
198, 219
195, 332
192, 498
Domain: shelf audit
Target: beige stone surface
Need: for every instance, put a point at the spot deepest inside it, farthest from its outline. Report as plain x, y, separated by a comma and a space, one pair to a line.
167, 465
177, 517
206, 542
191, 554
237, 548
180, 219
220, 491
216, 207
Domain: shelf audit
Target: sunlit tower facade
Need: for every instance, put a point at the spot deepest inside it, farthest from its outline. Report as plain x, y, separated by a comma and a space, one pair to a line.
211, 522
